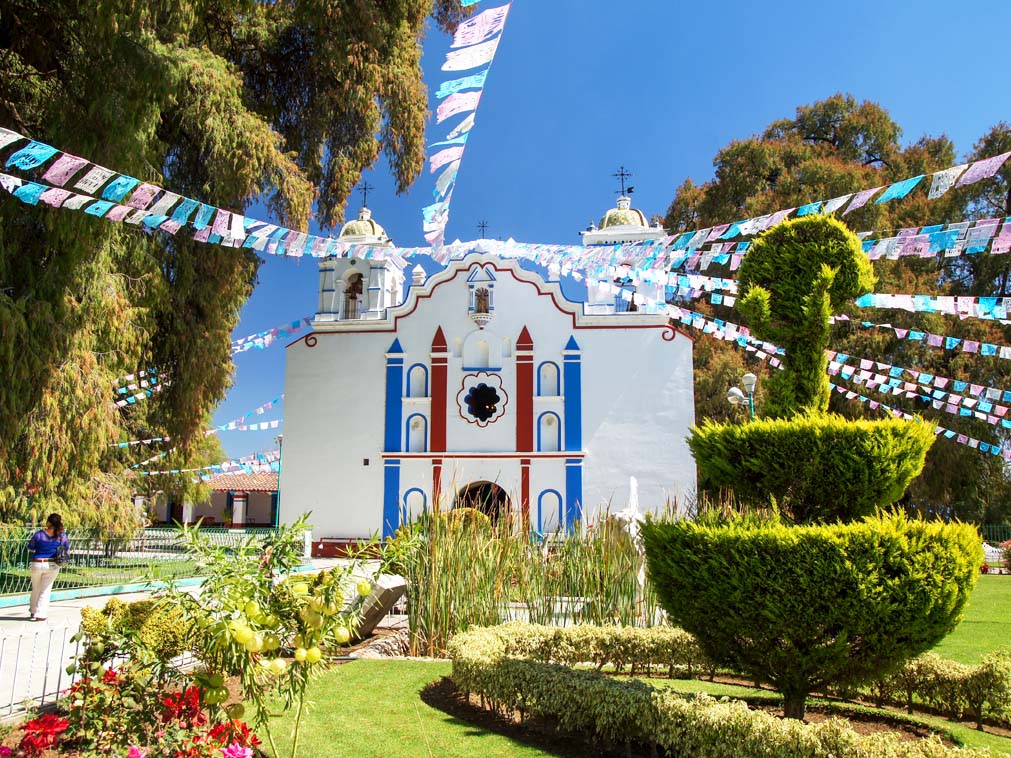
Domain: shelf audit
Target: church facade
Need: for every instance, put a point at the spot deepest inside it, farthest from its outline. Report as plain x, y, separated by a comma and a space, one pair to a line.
479, 386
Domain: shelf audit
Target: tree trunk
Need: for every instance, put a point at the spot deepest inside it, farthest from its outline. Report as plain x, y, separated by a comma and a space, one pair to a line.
794, 705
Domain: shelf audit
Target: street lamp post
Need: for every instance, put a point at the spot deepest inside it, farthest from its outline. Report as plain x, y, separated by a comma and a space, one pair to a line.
737, 397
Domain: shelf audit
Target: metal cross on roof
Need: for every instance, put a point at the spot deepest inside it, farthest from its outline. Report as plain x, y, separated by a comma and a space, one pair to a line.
365, 188
621, 175
482, 227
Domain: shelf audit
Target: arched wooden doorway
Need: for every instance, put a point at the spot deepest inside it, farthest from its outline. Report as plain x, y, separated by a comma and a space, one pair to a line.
486, 497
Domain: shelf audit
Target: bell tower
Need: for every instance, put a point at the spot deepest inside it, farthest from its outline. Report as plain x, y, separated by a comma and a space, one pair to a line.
351, 289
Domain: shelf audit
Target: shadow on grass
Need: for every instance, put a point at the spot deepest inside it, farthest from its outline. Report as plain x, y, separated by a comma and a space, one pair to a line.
533, 732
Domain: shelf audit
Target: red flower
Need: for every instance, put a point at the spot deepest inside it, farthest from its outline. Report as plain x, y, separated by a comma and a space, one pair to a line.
41, 733
110, 677
184, 706
234, 733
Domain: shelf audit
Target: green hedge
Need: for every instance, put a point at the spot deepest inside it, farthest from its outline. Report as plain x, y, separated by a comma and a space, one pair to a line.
641, 649
804, 608
490, 662
955, 689
160, 630
816, 468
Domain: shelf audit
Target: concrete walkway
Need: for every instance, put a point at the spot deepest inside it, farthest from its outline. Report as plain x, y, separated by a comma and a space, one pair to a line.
35, 654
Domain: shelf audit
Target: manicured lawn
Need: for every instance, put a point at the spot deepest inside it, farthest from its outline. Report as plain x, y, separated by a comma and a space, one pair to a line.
986, 625
372, 709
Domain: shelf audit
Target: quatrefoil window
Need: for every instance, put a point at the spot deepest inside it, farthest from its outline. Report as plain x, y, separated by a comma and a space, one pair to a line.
482, 402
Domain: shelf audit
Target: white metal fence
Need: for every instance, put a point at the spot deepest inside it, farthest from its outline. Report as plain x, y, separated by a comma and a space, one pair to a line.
33, 666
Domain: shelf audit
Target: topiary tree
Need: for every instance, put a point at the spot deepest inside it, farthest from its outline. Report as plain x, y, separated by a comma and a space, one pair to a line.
805, 607
814, 467
794, 277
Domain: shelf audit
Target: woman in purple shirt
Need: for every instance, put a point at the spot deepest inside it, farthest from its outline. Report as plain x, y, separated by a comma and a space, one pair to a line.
42, 548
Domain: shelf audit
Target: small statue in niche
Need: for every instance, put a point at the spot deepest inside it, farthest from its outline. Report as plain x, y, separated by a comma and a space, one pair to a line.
481, 298
352, 294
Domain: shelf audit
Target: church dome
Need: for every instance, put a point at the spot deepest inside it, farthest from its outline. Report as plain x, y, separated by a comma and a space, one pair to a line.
364, 228
624, 215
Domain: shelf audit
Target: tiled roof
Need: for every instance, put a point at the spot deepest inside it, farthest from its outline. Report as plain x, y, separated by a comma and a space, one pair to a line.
266, 482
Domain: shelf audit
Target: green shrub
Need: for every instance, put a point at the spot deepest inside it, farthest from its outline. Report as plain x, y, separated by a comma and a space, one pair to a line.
160, 629
489, 662
805, 608
818, 467
795, 276
982, 691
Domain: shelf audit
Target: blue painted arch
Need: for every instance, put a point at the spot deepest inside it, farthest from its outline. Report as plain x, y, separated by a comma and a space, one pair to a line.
407, 503
555, 506
555, 382
545, 432
411, 437
412, 372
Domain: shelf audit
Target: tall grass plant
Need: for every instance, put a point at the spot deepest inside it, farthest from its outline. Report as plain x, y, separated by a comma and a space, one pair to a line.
466, 572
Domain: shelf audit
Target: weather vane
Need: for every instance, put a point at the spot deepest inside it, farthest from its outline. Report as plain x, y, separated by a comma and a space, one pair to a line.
365, 188
621, 175
482, 227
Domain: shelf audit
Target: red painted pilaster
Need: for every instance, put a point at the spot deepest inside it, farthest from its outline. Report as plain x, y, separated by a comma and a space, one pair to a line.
524, 392
525, 492
436, 484
440, 360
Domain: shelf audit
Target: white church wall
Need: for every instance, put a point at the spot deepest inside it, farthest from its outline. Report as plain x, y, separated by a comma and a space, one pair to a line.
333, 422
636, 416
636, 404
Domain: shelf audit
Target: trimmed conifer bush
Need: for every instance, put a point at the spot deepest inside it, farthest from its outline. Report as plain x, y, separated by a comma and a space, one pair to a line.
807, 607
816, 468
794, 277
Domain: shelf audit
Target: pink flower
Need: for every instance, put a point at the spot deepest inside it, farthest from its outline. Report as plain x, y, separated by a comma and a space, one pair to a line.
235, 750
5, 752
135, 752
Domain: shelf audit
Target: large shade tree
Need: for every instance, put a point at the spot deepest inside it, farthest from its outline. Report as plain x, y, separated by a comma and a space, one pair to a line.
837, 146
227, 101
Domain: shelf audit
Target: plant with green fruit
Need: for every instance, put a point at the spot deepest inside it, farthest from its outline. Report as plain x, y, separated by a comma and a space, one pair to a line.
253, 612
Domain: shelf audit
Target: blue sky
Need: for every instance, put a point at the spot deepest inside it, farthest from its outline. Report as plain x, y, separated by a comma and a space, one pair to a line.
579, 87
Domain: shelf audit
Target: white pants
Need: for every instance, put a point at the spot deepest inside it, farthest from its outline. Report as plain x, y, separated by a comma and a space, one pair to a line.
43, 575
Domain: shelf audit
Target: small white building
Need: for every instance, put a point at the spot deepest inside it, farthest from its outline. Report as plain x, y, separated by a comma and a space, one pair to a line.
481, 386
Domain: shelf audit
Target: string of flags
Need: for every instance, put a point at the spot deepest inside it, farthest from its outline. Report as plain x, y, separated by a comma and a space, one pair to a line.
146, 376
264, 339
237, 424
104, 193
768, 351
474, 45
142, 395
984, 410
250, 464
987, 308
125, 199
938, 341
949, 434
959, 387
134, 386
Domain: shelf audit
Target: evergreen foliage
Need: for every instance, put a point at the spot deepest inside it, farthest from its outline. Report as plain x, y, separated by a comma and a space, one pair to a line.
828, 149
802, 608
228, 101
795, 276
814, 467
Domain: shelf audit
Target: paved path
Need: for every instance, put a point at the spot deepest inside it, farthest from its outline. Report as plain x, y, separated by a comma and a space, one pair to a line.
35, 654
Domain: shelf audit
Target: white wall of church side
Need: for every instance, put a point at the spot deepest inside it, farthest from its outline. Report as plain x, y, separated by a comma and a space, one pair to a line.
636, 416
333, 419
